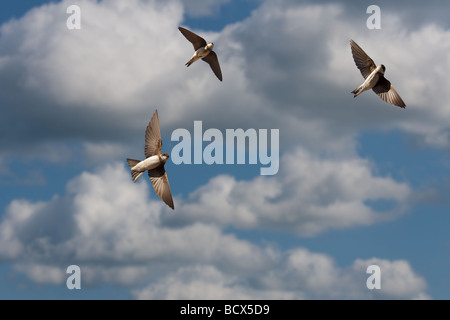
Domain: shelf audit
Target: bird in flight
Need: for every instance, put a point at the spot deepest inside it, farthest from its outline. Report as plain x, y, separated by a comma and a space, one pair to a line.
154, 162
203, 51
374, 77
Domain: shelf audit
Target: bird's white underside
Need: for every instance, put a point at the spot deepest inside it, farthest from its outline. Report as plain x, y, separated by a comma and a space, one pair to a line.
201, 53
147, 164
371, 80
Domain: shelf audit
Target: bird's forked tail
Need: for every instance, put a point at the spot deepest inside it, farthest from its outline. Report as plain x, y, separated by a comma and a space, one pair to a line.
356, 92
134, 174
191, 60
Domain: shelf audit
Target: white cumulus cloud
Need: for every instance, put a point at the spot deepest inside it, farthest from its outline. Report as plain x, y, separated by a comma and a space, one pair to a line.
118, 234
310, 195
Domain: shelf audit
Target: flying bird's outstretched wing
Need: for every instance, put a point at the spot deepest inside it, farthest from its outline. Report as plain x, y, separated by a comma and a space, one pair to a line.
212, 60
387, 92
195, 39
364, 63
160, 182
153, 143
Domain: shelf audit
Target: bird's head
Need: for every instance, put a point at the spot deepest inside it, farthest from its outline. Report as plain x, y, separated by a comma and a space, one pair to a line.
210, 45
382, 68
164, 157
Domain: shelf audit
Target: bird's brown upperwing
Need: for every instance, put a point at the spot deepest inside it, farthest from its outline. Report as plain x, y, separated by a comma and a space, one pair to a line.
195, 39
364, 63
153, 143
387, 92
213, 61
160, 182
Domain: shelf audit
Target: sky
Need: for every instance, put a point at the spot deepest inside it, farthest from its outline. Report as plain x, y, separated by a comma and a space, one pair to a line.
360, 182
